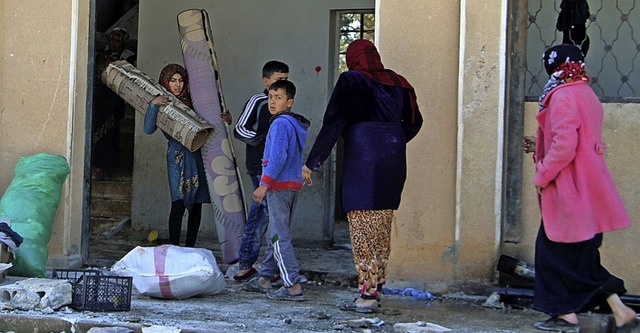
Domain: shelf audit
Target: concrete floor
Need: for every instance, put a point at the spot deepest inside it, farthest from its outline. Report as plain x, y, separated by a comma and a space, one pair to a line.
331, 283
234, 310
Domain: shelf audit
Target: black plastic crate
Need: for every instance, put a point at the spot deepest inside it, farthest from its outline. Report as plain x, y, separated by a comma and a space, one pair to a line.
73, 276
96, 292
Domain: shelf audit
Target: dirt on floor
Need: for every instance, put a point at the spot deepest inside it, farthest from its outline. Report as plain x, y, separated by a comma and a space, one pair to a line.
331, 282
235, 310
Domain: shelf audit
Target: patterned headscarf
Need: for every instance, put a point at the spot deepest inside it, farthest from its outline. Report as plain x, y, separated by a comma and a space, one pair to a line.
165, 76
564, 64
363, 56
121, 34
106, 55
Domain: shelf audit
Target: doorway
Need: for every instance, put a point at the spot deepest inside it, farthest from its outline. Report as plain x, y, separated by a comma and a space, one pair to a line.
350, 25
110, 133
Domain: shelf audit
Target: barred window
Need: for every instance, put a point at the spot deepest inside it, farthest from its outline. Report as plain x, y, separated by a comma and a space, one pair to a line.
613, 59
354, 25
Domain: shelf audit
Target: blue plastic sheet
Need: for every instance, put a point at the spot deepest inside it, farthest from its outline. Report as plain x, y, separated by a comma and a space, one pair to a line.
416, 294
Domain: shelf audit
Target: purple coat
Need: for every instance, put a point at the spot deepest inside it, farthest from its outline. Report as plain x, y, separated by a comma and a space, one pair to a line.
579, 197
375, 121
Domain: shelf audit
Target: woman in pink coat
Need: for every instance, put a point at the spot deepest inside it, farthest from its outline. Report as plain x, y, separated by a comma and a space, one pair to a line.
578, 200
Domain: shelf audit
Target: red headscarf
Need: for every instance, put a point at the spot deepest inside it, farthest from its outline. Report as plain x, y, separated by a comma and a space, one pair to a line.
165, 76
363, 56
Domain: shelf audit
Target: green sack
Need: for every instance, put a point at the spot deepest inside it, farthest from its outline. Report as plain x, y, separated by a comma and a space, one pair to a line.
31, 202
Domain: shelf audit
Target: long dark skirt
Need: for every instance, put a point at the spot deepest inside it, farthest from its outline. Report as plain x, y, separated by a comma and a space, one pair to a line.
375, 166
569, 277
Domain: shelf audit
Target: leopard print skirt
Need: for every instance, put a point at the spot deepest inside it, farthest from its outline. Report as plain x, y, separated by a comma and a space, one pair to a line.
370, 232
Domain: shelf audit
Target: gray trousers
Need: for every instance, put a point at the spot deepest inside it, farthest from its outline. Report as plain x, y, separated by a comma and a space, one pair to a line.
279, 256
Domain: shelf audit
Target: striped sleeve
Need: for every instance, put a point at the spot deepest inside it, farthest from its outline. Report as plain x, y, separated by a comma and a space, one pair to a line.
248, 121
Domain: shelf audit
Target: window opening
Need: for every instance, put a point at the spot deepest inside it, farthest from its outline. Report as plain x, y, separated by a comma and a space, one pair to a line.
613, 60
354, 25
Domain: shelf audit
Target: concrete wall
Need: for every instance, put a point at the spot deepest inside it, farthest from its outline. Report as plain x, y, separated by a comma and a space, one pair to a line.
448, 229
293, 31
40, 109
448, 225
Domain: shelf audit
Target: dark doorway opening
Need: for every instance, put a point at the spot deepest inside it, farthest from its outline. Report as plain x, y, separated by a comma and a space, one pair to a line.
110, 137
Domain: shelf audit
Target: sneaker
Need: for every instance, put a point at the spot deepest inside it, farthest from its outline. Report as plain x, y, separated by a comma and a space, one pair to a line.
557, 324
282, 294
254, 286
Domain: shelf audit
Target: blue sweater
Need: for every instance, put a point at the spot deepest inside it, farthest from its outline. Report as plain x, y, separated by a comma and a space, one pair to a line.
283, 152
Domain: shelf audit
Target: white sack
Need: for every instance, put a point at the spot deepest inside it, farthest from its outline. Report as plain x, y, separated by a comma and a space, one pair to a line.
171, 272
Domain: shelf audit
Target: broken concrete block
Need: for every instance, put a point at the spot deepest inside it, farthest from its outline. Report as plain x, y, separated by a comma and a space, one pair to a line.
362, 322
22, 299
418, 327
493, 302
160, 329
35, 293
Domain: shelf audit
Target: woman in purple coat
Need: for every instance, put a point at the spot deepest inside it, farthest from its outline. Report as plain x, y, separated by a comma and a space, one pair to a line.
375, 111
578, 200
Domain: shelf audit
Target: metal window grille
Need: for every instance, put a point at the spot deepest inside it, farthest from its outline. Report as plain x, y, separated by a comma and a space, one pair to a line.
354, 25
613, 60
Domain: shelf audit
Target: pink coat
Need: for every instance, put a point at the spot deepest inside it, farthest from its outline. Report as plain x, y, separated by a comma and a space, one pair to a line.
579, 197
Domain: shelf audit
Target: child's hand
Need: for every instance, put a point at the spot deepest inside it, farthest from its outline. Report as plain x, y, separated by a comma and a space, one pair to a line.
160, 100
226, 116
529, 144
306, 175
260, 193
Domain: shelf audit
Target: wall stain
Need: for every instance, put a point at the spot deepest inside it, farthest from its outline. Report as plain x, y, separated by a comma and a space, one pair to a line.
450, 253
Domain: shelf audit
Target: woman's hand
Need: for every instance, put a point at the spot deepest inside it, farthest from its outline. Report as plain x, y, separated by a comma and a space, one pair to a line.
160, 100
226, 116
306, 175
529, 144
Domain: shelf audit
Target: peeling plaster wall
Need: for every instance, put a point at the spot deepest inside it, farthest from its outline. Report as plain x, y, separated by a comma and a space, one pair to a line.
424, 249
38, 103
34, 60
449, 221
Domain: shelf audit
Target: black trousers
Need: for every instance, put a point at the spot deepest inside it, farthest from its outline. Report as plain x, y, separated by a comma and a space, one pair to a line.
193, 223
569, 277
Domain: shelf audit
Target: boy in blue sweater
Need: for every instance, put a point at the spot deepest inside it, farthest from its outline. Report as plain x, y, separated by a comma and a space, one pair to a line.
252, 128
280, 183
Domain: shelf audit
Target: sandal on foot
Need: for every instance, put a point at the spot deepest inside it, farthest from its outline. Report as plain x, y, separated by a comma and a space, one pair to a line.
632, 326
557, 324
246, 276
283, 294
377, 297
253, 285
352, 306
277, 282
